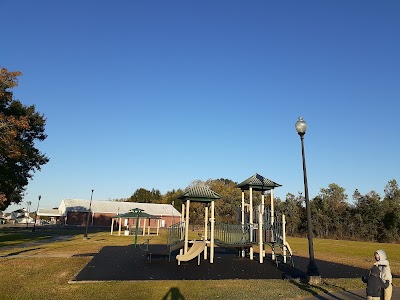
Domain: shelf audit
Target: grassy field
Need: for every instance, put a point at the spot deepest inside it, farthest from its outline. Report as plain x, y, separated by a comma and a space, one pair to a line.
42, 271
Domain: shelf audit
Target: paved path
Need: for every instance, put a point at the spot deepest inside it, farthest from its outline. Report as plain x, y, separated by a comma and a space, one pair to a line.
349, 295
34, 245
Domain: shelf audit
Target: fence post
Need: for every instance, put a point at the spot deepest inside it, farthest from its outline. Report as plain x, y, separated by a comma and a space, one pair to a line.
260, 228
284, 237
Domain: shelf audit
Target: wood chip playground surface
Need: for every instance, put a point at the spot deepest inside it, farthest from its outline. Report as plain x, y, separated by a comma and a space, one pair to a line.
130, 263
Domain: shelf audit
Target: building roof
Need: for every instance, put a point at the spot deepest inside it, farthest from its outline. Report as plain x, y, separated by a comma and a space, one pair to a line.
114, 207
200, 193
46, 212
258, 183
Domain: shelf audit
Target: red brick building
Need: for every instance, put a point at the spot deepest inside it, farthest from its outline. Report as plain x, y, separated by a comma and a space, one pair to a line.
74, 212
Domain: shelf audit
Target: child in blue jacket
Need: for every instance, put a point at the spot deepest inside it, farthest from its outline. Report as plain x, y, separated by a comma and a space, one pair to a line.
374, 284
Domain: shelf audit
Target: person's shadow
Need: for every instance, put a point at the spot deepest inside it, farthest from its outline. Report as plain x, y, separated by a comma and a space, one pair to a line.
173, 294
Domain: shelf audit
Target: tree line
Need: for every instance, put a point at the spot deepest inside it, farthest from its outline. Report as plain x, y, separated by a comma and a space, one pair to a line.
369, 217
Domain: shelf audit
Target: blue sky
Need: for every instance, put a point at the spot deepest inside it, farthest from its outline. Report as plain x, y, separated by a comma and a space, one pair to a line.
156, 94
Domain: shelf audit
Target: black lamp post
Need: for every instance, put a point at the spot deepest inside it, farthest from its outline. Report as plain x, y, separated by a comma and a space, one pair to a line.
312, 269
85, 237
27, 219
37, 210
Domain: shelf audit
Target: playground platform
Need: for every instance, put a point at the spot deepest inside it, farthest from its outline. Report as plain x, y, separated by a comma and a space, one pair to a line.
130, 263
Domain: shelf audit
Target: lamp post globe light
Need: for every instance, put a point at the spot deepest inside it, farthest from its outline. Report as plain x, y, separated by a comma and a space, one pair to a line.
312, 269
85, 236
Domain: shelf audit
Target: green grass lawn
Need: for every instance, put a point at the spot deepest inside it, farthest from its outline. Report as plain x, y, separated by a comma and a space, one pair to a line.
39, 277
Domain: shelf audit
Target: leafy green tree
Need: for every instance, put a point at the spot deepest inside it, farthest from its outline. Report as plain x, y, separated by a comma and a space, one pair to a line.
292, 208
321, 218
227, 208
391, 207
367, 218
331, 211
392, 191
20, 127
145, 196
171, 197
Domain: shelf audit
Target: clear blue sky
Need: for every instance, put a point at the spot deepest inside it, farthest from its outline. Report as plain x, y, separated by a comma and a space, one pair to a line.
156, 94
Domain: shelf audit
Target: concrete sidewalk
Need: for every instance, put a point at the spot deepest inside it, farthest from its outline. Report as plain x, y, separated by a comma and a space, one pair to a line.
349, 295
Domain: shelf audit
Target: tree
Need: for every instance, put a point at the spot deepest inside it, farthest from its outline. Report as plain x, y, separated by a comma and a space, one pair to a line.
392, 191
292, 208
172, 197
145, 196
368, 216
20, 127
391, 207
227, 208
330, 211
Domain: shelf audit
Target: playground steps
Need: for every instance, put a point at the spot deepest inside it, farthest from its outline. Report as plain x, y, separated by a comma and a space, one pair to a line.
282, 248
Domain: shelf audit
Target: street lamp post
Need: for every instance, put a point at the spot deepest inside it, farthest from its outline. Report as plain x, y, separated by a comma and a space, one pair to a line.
312, 269
27, 219
85, 237
37, 210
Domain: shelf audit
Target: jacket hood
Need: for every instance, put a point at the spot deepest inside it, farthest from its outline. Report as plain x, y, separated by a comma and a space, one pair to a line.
382, 254
375, 271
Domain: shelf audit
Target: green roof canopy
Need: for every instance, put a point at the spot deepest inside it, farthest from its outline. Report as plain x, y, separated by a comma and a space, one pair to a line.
200, 194
134, 215
258, 183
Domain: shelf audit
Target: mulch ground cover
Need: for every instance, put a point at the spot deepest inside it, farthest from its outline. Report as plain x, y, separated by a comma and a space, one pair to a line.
130, 263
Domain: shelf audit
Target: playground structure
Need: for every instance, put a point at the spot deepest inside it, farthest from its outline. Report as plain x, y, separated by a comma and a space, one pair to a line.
204, 195
260, 228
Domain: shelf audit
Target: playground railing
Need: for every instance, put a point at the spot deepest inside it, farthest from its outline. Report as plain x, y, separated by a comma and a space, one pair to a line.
175, 233
232, 233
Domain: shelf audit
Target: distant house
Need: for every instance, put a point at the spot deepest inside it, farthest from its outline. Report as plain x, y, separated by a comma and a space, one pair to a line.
7, 217
19, 216
52, 215
75, 211
2, 218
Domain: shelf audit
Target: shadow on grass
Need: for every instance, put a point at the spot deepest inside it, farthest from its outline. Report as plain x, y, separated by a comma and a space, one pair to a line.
346, 291
173, 294
319, 292
18, 252
329, 269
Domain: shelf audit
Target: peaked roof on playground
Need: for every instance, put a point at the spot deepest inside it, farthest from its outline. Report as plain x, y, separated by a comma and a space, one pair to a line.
136, 214
258, 183
200, 193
